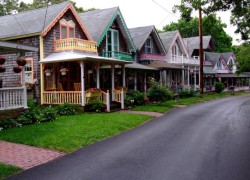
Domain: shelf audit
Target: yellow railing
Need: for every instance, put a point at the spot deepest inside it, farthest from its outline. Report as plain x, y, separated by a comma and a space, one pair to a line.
103, 97
117, 95
61, 97
75, 44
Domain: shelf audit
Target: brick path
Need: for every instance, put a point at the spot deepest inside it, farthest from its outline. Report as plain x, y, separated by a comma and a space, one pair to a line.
155, 114
25, 156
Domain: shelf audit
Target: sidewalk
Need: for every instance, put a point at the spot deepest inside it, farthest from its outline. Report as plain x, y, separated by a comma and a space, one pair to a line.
25, 156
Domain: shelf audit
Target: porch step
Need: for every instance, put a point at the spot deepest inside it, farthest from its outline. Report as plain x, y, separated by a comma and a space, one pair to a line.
115, 106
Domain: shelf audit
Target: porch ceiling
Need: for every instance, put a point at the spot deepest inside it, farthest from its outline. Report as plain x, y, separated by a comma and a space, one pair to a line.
9, 48
78, 56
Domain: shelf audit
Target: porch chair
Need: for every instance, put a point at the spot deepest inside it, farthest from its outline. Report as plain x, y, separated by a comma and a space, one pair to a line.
77, 86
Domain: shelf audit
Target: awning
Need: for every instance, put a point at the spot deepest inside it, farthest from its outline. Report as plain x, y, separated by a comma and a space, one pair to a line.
9, 48
76, 56
163, 65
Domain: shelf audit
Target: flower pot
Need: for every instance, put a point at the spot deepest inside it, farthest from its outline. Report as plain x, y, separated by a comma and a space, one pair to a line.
63, 73
2, 69
21, 61
17, 69
2, 60
48, 73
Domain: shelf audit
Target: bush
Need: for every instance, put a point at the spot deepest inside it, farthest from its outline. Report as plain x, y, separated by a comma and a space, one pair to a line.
135, 95
158, 92
48, 114
67, 109
129, 101
186, 93
30, 116
9, 123
219, 87
95, 106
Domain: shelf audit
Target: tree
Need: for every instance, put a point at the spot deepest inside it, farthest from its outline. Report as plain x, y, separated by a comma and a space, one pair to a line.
211, 26
243, 59
8, 7
240, 10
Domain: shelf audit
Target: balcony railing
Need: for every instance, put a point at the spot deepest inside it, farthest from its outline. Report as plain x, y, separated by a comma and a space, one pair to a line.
118, 55
148, 56
183, 60
75, 44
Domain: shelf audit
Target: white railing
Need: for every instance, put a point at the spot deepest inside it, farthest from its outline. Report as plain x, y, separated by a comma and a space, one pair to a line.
119, 97
11, 98
183, 60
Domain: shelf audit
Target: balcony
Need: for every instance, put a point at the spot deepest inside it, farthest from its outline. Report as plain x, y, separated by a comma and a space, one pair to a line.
183, 60
149, 56
117, 55
75, 44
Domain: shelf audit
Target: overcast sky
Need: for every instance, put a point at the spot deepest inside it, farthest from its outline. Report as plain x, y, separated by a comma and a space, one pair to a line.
148, 12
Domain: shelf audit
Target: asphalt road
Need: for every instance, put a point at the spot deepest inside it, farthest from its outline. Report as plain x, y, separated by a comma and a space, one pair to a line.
207, 141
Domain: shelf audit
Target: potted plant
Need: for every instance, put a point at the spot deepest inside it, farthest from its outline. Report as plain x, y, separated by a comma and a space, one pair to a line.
2, 69
21, 61
48, 72
17, 69
63, 71
2, 60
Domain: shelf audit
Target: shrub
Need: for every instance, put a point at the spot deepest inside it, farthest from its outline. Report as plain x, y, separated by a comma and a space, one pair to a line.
219, 87
48, 114
135, 95
158, 92
129, 101
95, 106
31, 115
9, 123
186, 93
67, 109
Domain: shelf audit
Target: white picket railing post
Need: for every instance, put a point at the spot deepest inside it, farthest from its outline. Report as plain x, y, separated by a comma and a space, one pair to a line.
108, 101
122, 99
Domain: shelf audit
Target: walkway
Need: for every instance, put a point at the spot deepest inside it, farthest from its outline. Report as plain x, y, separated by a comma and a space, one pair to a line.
25, 156
154, 114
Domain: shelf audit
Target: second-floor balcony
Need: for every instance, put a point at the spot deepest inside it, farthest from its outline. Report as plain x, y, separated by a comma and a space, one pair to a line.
117, 55
150, 56
183, 60
75, 44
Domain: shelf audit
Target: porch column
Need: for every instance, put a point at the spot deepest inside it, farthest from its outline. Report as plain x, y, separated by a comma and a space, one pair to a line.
98, 75
160, 77
135, 81
24, 88
165, 77
188, 74
145, 84
183, 76
194, 78
42, 82
112, 81
82, 83
123, 76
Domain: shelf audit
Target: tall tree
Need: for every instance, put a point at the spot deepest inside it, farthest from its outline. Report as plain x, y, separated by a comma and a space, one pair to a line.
240, 10
8, 7
211, 26
243, 59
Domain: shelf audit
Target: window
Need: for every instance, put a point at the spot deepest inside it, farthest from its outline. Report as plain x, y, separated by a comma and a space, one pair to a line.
67, 29
174, 50
148, 45
29, 76
219, 64
112, 40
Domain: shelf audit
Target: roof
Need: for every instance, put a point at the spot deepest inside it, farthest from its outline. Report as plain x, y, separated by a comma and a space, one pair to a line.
214, 57
193, 43
8, 48
208, 70
99, 21
163, 65
133, 65
76, 56
167, 38
140, 35
29, 22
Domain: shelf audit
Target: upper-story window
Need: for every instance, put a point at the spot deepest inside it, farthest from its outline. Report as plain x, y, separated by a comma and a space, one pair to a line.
148, 45
67, 29
174, 50
112, 40
219, 64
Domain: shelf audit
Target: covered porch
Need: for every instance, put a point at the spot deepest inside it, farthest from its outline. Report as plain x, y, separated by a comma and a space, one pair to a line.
76, 78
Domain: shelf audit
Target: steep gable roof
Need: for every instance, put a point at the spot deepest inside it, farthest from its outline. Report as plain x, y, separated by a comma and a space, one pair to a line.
98, 23
35, 21
140, 35
214, 57
193, 43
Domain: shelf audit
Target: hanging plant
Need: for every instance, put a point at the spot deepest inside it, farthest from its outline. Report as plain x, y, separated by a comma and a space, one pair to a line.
64, 71
2, 60
17, 69
48, 72
21, 61
2, 69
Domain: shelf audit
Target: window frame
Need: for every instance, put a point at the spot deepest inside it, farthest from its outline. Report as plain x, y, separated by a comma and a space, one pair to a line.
68, 27
148, 49
31, 72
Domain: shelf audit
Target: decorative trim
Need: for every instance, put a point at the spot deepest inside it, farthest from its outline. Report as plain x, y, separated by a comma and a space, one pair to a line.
21, 36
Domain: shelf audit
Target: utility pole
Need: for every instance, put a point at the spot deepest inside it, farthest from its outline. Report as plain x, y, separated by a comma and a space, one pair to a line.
201, 51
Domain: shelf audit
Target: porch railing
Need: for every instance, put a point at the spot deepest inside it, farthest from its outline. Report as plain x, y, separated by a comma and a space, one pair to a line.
183, 60
119, 97
61, 97
75, 44
11, 98
117, 55
150, 56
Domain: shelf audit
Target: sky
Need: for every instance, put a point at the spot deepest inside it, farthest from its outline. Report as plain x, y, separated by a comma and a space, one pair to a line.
149, 12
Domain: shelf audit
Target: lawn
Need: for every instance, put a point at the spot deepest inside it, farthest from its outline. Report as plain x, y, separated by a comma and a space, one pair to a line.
7, 170
69, 133
161, 108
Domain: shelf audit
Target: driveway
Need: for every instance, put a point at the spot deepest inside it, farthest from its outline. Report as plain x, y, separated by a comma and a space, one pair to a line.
204, 141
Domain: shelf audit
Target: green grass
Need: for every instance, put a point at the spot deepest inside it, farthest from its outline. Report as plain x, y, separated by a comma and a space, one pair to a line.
7, 170
161, 108
69, 133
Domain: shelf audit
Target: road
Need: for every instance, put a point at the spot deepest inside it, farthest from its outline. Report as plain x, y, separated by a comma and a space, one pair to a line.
206, 141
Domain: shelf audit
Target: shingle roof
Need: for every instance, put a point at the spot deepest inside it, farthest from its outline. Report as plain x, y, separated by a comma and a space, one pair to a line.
163, 65
140, 35
193, 43
167, 38
29, 22
97, 21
